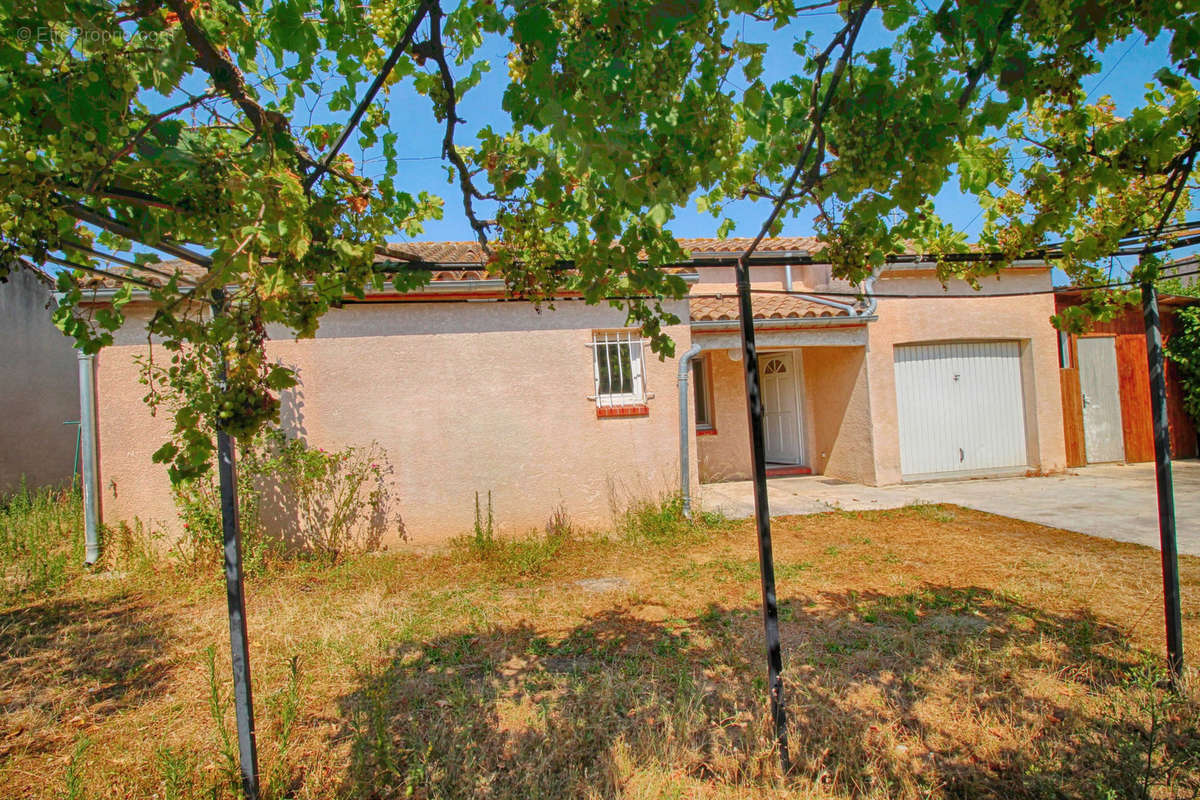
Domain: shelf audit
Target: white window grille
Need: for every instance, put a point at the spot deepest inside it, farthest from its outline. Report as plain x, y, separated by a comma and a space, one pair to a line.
617, 366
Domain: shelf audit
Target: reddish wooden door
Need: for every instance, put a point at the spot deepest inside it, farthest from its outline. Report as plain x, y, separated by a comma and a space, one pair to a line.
1137, 426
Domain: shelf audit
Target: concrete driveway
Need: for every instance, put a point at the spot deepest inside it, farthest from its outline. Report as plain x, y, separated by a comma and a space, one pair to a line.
1108, 500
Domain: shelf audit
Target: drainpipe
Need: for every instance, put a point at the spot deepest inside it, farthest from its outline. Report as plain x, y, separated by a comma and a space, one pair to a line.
868, 287
825, 301
87, 435
685, 480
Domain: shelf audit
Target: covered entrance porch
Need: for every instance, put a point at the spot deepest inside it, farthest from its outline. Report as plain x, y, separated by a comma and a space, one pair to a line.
815, 400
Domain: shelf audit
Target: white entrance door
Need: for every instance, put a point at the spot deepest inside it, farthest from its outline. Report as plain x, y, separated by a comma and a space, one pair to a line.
1102, 436
781, 408
960, 408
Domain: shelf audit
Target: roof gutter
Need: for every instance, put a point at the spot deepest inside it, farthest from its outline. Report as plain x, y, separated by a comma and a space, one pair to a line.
714, 325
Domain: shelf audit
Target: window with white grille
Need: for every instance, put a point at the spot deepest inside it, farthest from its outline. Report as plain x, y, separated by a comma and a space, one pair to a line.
618, 368
702, 392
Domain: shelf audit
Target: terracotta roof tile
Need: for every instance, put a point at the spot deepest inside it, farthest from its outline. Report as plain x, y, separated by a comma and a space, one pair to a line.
809, 244
708, 308
448, 253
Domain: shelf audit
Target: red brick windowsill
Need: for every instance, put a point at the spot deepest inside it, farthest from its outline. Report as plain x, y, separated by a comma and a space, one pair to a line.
706, 431
632, 410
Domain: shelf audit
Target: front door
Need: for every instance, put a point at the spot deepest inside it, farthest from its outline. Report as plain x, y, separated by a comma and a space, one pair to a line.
1103, 439
781, 408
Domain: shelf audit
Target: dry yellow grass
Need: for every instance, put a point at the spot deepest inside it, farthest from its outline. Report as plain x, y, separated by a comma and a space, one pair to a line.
930, 652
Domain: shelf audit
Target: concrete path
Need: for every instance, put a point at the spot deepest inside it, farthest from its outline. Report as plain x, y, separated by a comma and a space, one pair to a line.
1109, 500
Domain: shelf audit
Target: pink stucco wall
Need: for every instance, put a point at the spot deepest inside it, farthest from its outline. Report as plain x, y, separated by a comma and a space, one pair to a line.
840, 422
463, 397
724, 455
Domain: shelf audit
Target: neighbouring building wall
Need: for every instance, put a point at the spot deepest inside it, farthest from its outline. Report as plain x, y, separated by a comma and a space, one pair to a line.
463, 397
39, 387
974, 317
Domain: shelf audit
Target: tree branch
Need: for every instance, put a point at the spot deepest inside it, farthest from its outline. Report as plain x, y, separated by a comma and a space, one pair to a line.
846, 37
133, 196
103, 273
369, 97
93, 217
87, 251
1181, 175
226, 76
271, 125
976, 73
150, 123
469, 192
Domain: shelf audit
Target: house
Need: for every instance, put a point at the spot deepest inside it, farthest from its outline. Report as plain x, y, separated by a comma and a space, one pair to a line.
469, 391
1106, 388
892, 389
39, 387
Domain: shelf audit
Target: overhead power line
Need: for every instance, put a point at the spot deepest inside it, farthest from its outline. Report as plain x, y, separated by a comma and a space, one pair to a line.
800, 295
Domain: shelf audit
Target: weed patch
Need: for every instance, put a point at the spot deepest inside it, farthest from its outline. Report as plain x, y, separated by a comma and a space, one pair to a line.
663, 523
41, 540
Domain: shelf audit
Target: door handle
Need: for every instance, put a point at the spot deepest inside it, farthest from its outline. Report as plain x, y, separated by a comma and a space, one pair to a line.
961, 456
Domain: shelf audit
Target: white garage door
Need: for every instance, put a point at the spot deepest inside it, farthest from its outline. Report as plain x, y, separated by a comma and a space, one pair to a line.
961, 408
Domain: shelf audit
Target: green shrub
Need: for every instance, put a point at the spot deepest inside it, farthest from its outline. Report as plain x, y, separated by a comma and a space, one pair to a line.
202, 544
74, 781
321, 502
284, 705
1148, 740
1183, 348
484, 534
177, 769
292, 499
219, 706
41, 540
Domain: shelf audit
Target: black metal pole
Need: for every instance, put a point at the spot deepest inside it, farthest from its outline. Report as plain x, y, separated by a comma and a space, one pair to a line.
762, 513
1166, 492
239, 643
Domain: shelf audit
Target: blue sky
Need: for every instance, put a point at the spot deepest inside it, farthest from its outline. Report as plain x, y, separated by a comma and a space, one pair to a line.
1126, 67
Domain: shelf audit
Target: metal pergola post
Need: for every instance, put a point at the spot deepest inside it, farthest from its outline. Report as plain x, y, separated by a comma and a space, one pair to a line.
1163, 479
762, 513
239, 643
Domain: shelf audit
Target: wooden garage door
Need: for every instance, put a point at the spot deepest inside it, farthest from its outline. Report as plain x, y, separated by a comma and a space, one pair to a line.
961, 408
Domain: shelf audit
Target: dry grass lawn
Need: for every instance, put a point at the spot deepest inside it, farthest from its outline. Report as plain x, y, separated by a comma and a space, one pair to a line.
929, 652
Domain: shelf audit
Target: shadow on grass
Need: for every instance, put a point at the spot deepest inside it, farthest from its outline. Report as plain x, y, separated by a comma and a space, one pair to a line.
62, 659
949, 691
